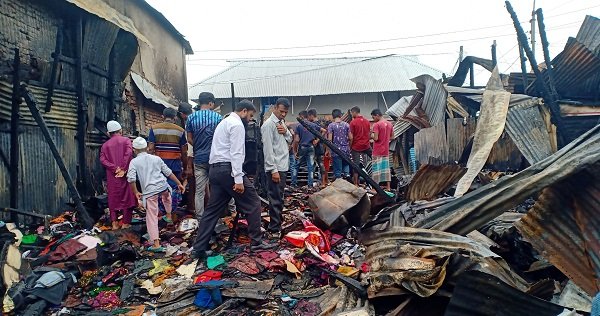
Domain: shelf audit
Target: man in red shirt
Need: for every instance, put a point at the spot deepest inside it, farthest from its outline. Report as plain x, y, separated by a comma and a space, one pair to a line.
360, 144
382, 133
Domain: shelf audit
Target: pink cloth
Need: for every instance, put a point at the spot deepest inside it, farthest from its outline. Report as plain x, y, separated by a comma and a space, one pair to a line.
384, 129
118, 152
152, 212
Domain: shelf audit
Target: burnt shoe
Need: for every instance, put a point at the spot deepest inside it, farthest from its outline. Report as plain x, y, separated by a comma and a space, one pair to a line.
201, 254
263, 245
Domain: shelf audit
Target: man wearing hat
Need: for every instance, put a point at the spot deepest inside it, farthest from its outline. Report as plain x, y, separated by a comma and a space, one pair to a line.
115, 156
152, 172
200, 127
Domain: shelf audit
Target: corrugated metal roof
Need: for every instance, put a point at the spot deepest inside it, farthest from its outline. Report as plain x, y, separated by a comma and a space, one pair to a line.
430, 180
526, 127
434, 98
589, 33
151, 92
480, 294
564, 226
309, 77
476, 208
64, 109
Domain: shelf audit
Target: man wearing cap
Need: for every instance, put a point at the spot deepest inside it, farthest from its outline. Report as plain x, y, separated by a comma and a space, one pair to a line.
200, 127
167, 140
227, 180
115, 156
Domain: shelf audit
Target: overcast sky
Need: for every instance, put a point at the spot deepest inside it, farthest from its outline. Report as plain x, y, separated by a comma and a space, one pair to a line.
431, 29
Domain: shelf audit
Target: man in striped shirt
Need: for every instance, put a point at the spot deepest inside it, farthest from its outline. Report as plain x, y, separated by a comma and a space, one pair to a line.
167, 140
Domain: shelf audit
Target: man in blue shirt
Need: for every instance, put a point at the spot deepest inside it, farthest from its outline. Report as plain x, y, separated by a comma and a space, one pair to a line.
200, 127
305, 150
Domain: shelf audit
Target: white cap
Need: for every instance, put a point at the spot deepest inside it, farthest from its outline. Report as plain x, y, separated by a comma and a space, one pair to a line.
139, 143
113, 126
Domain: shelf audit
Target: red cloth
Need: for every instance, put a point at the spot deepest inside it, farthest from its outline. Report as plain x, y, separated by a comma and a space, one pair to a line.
360, 128
381, 147
66, 250
117, 152
209, 275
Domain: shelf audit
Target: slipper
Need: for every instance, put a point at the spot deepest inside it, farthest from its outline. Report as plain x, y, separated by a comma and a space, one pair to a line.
166, 219
159, 249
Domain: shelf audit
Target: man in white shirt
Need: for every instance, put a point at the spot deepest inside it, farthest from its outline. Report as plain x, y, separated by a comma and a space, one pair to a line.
276, 139
227, 180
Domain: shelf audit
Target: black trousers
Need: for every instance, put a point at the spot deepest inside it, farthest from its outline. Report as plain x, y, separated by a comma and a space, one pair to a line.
276, 191
221, 191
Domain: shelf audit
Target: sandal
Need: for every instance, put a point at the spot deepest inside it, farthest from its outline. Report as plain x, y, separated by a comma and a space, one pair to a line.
166, 219
156, 250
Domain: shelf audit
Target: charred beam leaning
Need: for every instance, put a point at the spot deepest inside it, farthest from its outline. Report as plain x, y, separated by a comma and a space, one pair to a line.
14, 135
546, 91
81, 108
547, 60
55, 65
88, 222
363, 174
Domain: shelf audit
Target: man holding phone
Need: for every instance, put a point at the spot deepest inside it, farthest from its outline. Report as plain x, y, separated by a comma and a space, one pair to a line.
276, 139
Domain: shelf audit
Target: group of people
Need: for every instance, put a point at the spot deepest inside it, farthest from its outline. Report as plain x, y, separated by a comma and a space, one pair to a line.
207, 156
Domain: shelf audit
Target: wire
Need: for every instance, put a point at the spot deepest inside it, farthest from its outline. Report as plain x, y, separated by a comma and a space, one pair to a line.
369, 50
382, 40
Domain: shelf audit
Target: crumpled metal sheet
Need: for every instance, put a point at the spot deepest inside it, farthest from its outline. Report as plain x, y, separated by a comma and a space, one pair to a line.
476, 208
434, 98
430, 180
494, 108
527, 128
481, 294
422, 260
340, 204
257, 290
564, 227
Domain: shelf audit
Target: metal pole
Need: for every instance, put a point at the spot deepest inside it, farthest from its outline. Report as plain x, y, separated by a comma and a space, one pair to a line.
548, 96
356, 167
545, 45
232, 98
460, 54
81, 108
494, 58
14, 136
533, 30
87, 221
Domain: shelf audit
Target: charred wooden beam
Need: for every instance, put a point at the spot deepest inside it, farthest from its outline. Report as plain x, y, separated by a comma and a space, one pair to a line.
494, 57
523, 59
88, 222
81, 108
356, 167
549, 98
55, 65
14, 135
547, 59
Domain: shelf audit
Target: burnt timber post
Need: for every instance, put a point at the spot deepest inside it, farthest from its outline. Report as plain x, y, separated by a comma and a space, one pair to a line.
55, 66
494, 58
14, 136
549, 98
356, 167
81, 108
525, 79
545, 45
30, 101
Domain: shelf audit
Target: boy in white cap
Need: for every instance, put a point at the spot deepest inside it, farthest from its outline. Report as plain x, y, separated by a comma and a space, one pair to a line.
115, 156
151, 171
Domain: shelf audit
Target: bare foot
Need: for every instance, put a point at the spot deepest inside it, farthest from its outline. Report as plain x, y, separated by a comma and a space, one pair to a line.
126, 226
116, 226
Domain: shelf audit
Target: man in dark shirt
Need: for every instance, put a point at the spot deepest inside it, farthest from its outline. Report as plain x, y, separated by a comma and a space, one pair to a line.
360, 128
319, 149
200, 128
305, 150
